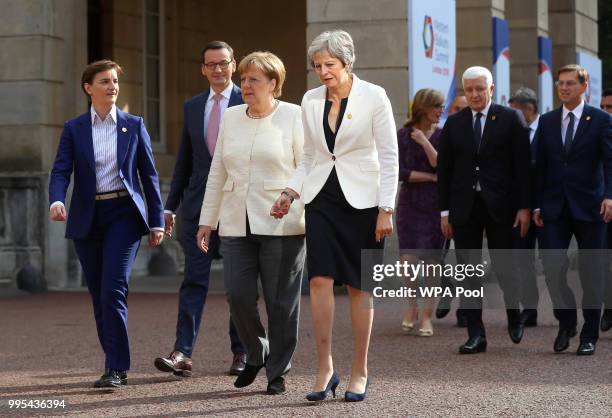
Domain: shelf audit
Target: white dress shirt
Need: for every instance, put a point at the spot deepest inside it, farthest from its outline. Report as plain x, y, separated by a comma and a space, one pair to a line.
533, 128
104, 136
565, 119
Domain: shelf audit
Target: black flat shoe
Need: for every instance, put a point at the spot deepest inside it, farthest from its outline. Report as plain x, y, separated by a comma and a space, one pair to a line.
111, 379
606, 320
516, 332
474, 345
563, 339
586, 349
356, 397
276, 386
247, 376
331, 386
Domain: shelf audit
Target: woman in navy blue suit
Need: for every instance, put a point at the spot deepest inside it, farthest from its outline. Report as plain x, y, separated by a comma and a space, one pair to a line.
109, 152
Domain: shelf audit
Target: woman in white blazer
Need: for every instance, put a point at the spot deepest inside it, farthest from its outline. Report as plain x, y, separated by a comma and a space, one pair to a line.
348, 180
258, 149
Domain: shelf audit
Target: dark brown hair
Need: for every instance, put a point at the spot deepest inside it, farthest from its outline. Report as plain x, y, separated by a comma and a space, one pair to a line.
97, 67
582, 73
217, 45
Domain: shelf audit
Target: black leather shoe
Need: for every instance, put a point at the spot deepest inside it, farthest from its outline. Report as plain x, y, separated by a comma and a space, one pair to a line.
563, 339
462, 321
276, 386
247, 376
238, 363
516, 332
111, 379
586, 349
606, 320
474, 345
529, 318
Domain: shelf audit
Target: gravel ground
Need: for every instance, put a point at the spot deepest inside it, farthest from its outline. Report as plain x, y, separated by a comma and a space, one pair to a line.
49, 350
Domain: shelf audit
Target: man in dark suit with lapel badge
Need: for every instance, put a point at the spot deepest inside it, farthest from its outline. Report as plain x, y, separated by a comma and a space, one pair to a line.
574, 198
483, 177
525, 100
202, 117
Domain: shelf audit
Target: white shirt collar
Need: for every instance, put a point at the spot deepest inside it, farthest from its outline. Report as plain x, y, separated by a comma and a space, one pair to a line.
534, 124
577, 111
483, 111
94, 115
225, 93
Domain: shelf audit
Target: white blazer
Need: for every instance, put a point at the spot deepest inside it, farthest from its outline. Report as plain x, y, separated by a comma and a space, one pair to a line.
365, 152
253, 161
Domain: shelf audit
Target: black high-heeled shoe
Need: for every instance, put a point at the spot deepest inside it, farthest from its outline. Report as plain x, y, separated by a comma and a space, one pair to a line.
333, 383
356, 397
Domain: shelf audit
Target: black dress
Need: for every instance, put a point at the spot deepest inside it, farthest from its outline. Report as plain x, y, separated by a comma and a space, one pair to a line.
336, 232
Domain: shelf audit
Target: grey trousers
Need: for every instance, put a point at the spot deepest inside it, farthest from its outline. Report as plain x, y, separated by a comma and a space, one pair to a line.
278, 261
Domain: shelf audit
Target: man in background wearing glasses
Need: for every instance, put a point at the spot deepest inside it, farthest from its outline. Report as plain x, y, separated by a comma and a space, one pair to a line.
202, 117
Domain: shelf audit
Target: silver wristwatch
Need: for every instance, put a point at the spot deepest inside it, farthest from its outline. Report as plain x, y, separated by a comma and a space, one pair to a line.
386, 209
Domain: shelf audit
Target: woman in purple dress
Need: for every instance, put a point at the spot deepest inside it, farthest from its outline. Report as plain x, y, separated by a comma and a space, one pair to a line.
418, 213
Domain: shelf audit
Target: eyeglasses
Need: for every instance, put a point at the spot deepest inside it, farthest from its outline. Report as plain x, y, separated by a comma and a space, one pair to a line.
570, 83
213, 65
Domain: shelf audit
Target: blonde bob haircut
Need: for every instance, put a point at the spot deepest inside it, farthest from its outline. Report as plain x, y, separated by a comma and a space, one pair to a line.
267, 63
424, 99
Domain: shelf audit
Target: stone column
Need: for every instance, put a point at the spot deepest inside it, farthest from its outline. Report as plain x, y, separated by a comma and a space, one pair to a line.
43, 48
474, 34
380, 32
573, 28
527, 19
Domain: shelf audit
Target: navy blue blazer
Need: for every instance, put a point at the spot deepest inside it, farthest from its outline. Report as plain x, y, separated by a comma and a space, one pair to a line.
134, 159
193, 159
583, 177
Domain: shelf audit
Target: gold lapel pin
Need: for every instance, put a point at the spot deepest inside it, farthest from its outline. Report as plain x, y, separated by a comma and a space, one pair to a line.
588, 118
349, 116
493, 117
124, 129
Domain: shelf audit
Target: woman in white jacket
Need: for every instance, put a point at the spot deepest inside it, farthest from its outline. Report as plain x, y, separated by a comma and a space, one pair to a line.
258, 149
348, 180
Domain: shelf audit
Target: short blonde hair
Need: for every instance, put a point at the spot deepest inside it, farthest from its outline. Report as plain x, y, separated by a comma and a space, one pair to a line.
424, 99
267, 63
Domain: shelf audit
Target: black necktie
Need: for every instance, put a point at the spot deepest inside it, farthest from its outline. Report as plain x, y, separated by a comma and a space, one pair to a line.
477, 131
569, 133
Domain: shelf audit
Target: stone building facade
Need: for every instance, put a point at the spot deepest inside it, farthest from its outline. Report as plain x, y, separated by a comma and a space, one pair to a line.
45, 44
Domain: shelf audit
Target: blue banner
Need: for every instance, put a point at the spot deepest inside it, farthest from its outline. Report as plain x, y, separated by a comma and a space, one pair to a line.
545, 76
501, 61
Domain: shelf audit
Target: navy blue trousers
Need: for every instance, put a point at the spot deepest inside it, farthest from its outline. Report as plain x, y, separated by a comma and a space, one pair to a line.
554, 239
106, 256
193, 292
